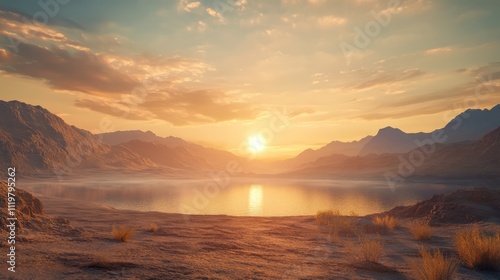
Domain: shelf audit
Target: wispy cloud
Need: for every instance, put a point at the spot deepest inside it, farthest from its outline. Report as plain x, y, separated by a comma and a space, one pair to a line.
481, 90
331, 21
438, 51
372, 78
15, 26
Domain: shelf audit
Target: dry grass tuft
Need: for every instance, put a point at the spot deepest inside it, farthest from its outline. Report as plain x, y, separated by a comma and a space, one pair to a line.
421, 230
371, 249
433, 266
336, 223
153, 227
122, 233
385, 223
477, 250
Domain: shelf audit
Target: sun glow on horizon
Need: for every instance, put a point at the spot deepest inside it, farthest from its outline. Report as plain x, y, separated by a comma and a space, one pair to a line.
256, 143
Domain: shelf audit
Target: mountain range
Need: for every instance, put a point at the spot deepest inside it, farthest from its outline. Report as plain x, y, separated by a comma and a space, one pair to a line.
38, 142
478, 159
468, 126
180, 153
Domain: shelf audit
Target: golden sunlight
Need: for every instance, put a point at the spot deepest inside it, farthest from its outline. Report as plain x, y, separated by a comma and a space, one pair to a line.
256, 143
255, 200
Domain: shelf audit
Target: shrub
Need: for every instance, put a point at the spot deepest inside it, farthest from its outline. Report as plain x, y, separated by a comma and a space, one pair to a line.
421, 230
385, 224
153, 227
433, 266
122, 233
336, 223
371, 249
477, 250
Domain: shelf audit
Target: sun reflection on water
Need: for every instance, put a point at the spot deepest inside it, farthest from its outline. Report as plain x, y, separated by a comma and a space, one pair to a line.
255, 200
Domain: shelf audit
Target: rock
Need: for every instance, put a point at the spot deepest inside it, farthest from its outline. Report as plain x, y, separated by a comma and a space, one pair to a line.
28, 208
462, 206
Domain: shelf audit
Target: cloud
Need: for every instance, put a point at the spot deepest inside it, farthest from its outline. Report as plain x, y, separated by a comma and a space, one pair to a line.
182, 107
16, 27
377, 78
317, 2
200, 26
61, 69
192, 5
59, 20
301, 112
482, 71
112, 108
168, 87
404, 6
330, 21
215, 14
177, 106
187, 5
438, 51
482, 90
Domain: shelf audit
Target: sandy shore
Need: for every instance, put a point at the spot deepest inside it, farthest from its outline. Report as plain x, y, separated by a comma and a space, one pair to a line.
208, 247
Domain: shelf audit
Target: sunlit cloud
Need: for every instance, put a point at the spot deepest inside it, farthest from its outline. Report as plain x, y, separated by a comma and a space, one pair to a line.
74, 71
12, 25
187, 5
438, 51
330, 21
215, 14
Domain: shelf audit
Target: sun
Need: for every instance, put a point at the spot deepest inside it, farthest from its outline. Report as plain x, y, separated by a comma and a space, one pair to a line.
256, 143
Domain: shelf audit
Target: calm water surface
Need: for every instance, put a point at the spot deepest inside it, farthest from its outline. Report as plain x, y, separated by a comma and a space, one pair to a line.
242, 197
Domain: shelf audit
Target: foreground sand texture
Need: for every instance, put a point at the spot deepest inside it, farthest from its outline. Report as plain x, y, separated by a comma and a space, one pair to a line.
76, 243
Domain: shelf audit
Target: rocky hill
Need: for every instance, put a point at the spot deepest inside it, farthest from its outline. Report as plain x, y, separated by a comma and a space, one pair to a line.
462, 206
36, 141
29, 209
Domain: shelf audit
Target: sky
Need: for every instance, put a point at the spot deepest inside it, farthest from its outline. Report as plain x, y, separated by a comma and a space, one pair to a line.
297, 74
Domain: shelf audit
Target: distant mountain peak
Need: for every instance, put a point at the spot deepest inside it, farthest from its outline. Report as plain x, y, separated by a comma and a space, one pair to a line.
389, 130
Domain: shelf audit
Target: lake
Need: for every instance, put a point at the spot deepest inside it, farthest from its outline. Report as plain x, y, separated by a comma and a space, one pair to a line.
241, 197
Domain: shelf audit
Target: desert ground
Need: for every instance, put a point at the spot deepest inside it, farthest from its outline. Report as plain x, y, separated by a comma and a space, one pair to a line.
73, 240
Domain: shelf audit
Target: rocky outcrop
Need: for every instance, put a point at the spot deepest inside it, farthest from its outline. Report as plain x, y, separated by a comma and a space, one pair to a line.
462, 206
28, 209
